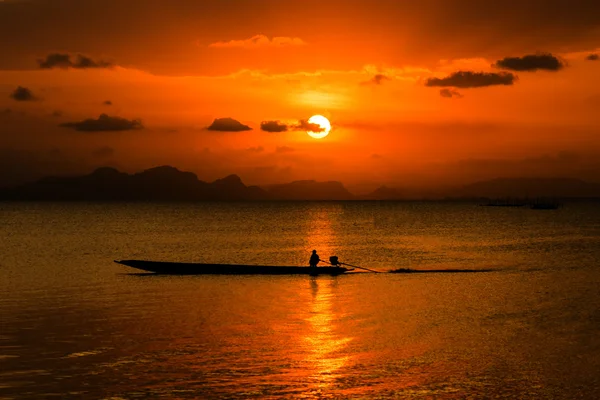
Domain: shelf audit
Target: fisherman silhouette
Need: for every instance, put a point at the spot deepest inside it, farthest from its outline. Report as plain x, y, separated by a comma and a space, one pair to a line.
314, 260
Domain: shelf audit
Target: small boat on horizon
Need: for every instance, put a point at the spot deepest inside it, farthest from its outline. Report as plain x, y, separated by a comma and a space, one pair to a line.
179, 268
545, 204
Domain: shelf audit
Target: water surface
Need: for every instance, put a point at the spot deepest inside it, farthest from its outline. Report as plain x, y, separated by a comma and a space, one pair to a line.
76, 325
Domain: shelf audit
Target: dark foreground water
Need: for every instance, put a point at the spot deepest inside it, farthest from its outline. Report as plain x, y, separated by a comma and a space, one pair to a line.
75, 325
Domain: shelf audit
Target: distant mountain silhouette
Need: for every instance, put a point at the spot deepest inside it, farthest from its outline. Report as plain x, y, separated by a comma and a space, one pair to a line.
167, 183
310, 190
164, 183
529, 187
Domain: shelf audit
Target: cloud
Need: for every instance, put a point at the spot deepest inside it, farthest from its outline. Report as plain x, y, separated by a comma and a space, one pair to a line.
273, 126
260, 41
531, 63
469, 79
593, 57
22, 94
258, 149
104, 152
377, 79
104, 123
284, 149
107, 103
301, 125
59, 60
228, 125
449, 93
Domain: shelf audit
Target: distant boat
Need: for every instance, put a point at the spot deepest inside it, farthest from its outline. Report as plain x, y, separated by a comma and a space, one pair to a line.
177, 268
544, 204
503, 205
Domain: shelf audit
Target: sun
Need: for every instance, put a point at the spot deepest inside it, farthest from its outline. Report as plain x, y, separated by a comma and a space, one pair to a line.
323, 123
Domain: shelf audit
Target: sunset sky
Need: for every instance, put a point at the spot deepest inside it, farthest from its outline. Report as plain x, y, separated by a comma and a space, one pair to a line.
419, 93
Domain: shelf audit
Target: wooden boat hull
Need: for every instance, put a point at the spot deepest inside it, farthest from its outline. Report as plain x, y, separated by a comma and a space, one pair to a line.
176, 268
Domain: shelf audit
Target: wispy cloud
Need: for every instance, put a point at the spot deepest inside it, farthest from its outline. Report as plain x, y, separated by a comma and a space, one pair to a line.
260, 41
284, 149
61, 60
449, 93
104, 123
377, 79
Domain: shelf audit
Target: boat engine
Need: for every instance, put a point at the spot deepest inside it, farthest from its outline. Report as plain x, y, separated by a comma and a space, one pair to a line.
333, 260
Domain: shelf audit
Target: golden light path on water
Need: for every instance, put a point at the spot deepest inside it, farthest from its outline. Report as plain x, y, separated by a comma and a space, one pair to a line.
327, 354
326, 347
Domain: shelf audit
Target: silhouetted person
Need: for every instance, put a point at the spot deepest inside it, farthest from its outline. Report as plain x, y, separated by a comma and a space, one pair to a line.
314, 260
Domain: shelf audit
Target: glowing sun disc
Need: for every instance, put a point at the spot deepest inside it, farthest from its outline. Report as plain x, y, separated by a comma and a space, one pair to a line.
323, 123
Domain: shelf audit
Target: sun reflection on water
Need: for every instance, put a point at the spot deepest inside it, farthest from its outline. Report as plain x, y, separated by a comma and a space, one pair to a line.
326, 346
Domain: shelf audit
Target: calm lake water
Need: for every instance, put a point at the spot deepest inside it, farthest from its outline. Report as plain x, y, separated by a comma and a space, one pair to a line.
75, 325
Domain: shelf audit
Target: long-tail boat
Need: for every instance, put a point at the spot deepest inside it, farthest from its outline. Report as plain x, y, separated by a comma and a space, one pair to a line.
179, 268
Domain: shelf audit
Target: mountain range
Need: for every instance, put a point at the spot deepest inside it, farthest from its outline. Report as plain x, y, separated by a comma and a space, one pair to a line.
167, 183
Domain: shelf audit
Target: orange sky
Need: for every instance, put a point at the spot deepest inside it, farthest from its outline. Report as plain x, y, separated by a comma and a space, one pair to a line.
382, 72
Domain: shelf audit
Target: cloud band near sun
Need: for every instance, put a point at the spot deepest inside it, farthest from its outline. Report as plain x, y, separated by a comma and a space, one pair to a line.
301, 125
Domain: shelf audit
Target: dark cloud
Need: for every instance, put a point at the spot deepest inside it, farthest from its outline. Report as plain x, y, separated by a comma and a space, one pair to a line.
303, 124
22, 94
469, 79
449, 93
531, 63
228, 125
593, 57
284, 149
104, 123
273, 126
377, 79
55, 60
104, 152
108, 103
58, 60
